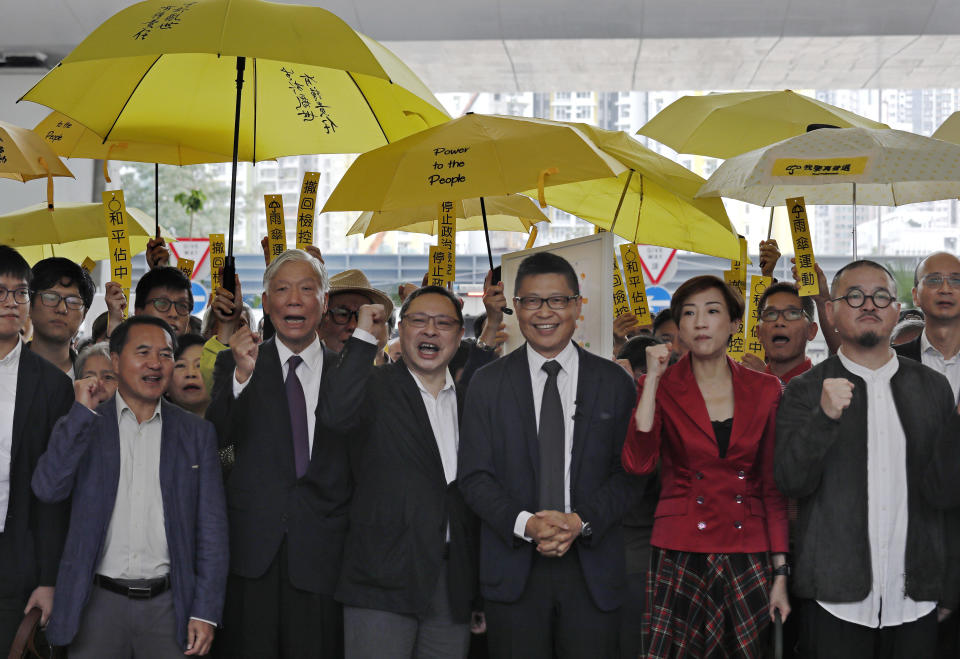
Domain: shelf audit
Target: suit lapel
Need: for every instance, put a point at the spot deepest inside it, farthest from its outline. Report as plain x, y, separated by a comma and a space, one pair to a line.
28, 378
588, 388
413, 399
682, 386
519, 374
273, 394
743, 399
169, 438
111, 456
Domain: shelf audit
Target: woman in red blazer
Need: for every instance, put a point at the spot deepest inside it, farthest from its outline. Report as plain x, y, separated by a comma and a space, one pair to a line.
709, 423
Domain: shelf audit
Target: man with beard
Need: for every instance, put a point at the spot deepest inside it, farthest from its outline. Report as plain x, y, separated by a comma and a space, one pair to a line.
786, 326
866, 441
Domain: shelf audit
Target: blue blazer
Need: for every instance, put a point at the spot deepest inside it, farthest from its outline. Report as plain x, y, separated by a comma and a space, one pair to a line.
82, 461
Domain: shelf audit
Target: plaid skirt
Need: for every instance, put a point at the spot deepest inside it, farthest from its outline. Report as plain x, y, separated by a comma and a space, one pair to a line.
705, 605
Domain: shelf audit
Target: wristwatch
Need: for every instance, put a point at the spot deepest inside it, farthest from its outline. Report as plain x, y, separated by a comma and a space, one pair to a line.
484, 346
586, 530
782, 571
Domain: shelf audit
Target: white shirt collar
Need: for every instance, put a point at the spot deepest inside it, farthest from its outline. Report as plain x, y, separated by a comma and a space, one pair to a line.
122, 405
311, 355
447, 384
885, 372
926, 346
565, 358
12, 359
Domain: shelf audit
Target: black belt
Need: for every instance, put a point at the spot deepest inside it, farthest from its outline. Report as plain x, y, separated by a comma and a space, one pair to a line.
147, 590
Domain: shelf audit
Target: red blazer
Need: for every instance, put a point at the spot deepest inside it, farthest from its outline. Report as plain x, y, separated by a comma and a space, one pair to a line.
708, 504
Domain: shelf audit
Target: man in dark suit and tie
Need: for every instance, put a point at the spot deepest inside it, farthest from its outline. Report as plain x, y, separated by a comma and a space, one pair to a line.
33, 395
289, 489
540, 465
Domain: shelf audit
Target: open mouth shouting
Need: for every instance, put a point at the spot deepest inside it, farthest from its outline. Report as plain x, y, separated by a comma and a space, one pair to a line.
294, 321
780, 339
428, 350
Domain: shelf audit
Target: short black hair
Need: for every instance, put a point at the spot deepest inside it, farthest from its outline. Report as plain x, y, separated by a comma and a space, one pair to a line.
98, 330
665, 316
700, 283
12, 264
635, 350
58, 270
434, 290
806, 302
118, 340
864, 263
188, 341
478, 324
165, 277
546, 263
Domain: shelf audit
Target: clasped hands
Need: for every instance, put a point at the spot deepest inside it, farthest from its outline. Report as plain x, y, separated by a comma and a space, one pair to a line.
553, 532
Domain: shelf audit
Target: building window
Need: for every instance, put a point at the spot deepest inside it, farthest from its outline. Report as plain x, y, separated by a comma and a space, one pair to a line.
561, 112
562, 96
584, 112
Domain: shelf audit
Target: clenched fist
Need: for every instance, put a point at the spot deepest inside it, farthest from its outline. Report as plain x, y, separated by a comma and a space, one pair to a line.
658, 358
370, 318
836, 396
245, 347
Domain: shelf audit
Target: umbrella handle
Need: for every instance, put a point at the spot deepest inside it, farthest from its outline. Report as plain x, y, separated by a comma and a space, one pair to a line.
544, 173
46, 168
533, 237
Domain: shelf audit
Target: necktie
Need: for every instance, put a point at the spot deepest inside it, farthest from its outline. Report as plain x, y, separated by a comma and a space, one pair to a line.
550, 437
297, 403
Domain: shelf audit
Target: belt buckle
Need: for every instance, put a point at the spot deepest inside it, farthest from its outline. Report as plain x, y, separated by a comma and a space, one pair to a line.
139, 592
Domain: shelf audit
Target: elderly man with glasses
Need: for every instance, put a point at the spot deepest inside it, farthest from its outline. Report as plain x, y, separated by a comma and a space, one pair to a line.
867, 444
350, 290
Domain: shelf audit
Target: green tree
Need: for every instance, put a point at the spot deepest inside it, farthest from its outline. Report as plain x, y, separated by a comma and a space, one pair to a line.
904, 279
192, 203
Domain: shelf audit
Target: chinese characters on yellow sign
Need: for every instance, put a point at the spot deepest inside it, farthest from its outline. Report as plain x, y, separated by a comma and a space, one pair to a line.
306, 209
802, 246
443, 257
736, 276
218, 253
636, 289
118, 238
276, 230
758, 284
621, 304
186, 267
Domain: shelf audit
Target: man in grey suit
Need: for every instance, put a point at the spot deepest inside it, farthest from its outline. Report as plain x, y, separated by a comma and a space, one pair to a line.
144, 569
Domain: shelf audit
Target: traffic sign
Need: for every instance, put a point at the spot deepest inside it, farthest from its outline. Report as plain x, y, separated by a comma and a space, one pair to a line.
658, 298
659, 263
199, 297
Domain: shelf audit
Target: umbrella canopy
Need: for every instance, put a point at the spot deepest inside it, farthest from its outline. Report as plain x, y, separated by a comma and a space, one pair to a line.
949, 130
725, 125
473, 156
72, 230
652, 202
164, 73
24, 156
507, 213
842, 166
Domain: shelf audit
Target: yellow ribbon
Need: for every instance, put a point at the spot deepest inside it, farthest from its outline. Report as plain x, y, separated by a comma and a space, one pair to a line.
540, 181
43, 163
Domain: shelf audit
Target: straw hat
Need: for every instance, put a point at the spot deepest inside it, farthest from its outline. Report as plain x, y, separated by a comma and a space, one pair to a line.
354, 281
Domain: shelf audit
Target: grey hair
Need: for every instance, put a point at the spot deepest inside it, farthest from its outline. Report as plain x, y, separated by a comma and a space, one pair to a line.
298, 255
102, 349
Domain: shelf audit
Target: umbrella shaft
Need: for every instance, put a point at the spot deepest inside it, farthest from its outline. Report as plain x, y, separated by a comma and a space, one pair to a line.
241, 63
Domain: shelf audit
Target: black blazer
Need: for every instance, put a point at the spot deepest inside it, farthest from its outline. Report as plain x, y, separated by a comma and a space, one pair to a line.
265, 499
499, 463
402, 503
910, 349
34, 532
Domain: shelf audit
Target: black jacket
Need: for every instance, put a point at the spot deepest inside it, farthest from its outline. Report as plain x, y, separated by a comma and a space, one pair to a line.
910, 349
402, 502
265, 499
34, 532
823, 464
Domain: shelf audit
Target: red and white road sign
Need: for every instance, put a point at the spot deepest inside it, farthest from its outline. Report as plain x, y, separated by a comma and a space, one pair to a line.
659, 264
195, 249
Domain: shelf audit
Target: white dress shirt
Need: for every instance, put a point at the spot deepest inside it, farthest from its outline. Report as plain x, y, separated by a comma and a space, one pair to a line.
931, 357
442, 412
9, 367
887, 605
567, 384
136, 542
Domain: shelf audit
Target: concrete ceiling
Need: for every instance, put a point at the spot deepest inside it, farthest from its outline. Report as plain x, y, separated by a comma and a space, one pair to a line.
549, 45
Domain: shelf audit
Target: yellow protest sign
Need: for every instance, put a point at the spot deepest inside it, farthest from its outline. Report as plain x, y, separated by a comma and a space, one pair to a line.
88, 264
118, 237
447, 239
621, 304
218, 253
636, 289
736, 276
819, 166
802, 246
186, 267
276, 230
439, 267
306, 209
758, 284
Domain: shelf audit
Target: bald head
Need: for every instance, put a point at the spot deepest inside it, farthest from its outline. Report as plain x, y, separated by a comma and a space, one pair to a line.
837, 288
936, 289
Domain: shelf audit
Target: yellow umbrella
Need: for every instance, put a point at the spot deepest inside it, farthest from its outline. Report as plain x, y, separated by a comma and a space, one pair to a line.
725, 125
949, 130
25, 157
652, 202
72, 230
506, 213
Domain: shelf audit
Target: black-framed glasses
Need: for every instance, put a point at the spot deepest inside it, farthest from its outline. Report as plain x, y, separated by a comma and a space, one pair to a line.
935, 280
421, 320
20, 295
856, 298
342, 315
534, 302
163, 304
52, 299
770, 315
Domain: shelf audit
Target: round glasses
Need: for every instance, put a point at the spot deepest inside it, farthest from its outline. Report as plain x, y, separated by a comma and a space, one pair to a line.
534, 302
856, 298
342, 315
20, 295
52, 299
790, 314
163, 304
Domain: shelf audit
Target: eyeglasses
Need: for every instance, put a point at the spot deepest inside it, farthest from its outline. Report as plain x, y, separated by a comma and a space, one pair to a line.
342, 315
52, 299
790, 314
856, 298
421, 320
534, 302
935, 280
163, 304
20, 295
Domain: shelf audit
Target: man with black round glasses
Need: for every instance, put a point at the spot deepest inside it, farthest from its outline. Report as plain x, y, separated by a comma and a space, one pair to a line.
350, 290
60, 295
786, 326
165, 293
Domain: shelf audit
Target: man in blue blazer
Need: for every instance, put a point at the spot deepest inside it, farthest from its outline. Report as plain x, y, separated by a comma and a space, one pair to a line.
144, 569
539, 463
